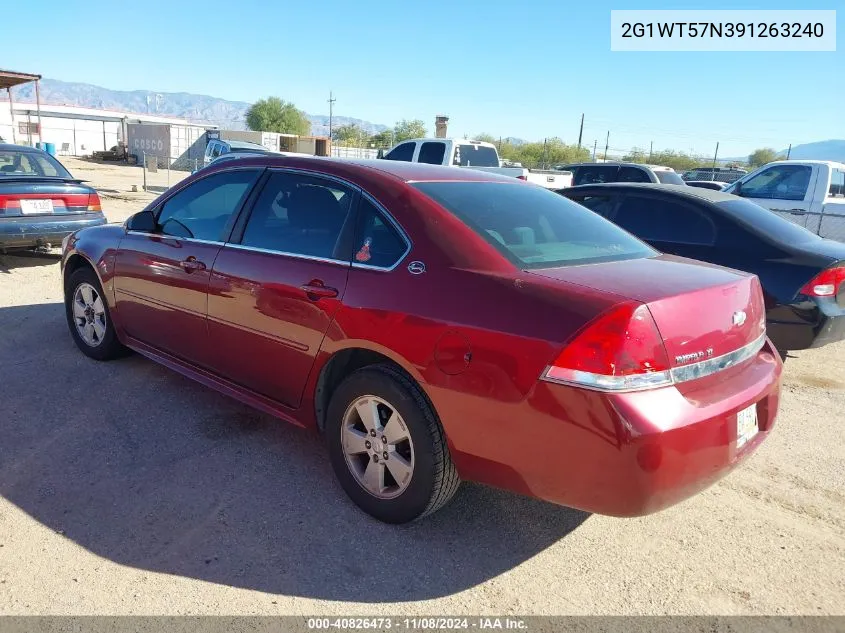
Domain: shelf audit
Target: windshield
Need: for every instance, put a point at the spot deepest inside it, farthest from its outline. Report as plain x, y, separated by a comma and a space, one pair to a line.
669, 178
768, 222
16, 163
533, 227
468, 155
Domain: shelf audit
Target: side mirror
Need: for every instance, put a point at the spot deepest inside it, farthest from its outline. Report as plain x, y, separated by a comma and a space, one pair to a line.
145, 222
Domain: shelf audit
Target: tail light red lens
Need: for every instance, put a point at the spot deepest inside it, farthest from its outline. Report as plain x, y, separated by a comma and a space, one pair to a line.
94, 203
825, 284
622, 350
523, 177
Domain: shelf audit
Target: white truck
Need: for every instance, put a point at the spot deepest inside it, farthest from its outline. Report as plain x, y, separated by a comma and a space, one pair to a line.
810, 193
472, 155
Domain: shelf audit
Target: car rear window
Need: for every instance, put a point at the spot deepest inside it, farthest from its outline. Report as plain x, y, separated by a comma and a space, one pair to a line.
533, 227
767, 222
21, 163
669, 177
469, 155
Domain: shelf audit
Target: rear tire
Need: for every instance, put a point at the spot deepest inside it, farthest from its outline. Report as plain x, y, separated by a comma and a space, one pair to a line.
379, 407
88, 318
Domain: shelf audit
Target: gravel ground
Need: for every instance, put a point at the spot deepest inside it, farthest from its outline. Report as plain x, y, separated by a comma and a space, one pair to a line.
127, 489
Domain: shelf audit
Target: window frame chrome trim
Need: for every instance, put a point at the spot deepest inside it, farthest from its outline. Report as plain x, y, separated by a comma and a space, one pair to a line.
270, 251
175, 237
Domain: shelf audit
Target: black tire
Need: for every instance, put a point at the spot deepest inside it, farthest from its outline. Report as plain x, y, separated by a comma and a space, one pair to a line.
434, 480
109, 348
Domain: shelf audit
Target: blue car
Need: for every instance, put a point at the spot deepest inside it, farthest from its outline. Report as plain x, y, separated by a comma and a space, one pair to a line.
40, 202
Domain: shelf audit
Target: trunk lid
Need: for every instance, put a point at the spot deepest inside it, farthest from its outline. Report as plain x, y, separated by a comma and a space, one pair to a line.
701, 310
44, 196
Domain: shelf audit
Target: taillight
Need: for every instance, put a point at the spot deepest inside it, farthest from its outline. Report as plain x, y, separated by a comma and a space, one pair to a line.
826, 283
523, 177
621, 350
94, 202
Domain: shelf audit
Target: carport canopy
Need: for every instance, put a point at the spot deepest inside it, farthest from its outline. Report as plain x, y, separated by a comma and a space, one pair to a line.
9, 79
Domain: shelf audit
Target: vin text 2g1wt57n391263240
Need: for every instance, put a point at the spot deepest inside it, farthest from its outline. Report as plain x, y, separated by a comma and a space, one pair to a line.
557, 364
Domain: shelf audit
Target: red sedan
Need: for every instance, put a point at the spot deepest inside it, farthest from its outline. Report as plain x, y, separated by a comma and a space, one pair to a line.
438, 324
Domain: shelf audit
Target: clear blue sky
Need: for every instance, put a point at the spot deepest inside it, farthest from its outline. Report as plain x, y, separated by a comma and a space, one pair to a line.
506, 67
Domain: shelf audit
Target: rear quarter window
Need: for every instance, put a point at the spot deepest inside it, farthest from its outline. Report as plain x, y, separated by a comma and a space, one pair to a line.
533, 227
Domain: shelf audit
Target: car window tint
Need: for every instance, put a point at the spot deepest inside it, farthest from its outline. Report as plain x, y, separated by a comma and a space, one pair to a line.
779, 182
603, 205
657, 220
203, 209
432, 153
599, 173
837, 183
533, 227
404, 152
377, 243
299, 215
473, 155
632, 174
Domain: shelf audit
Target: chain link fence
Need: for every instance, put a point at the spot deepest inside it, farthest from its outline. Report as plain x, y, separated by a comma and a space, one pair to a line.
162, 172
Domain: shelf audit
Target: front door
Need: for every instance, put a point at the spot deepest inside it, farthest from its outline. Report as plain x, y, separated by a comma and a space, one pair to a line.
275, 289
787, 190
161, 278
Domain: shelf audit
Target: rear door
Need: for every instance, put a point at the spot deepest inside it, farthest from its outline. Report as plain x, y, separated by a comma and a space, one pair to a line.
276, 286
161, 278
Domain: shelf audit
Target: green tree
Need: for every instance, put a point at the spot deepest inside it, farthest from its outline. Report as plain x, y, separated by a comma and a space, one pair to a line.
275, 115
636, 155
382, 140
760, 157
537, 155
404, 130
351, 136
486, 138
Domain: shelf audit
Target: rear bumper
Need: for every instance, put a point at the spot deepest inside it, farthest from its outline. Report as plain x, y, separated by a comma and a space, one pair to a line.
26, 232
621, 454
807, 325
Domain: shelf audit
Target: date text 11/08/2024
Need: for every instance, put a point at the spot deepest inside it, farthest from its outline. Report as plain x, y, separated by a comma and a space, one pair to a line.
417, 623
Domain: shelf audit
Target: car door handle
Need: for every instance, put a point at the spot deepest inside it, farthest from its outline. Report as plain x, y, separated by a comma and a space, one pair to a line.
191, 264
316, 290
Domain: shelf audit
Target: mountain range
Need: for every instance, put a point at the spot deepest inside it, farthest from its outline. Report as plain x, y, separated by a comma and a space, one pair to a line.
821, 150
200, 109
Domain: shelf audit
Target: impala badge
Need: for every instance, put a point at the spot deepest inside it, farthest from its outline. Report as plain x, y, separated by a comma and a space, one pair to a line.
739, 318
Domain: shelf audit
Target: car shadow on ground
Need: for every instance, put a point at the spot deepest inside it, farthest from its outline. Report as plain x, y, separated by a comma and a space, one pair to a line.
149, 469
27, 259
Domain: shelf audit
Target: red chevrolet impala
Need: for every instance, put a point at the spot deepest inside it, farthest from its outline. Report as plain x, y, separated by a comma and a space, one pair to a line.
438, 324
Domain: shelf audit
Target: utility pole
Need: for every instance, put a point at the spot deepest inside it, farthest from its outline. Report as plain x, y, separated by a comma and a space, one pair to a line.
650, 150
331, 112
595, 146
606, 144
715, 156
581, 131
789, 151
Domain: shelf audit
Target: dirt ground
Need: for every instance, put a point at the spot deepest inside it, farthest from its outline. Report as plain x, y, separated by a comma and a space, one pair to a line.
127, 489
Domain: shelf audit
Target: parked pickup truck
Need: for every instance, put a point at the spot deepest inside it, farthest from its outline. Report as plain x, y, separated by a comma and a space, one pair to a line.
473, 155
810, 193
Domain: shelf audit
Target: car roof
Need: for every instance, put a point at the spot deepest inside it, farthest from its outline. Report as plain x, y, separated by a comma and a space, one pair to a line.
407, 172
710, 195
20, 148
619, 163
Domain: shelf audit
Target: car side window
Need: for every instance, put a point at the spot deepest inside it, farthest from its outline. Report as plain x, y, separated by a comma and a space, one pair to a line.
299, 215
204, 208
593, 174
779, 182
603, 205
660, 220
632, 174
377, 242
404, 152
837, 184
432, 153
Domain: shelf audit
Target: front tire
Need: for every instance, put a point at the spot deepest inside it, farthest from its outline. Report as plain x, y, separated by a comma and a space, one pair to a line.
88, 317
387, 447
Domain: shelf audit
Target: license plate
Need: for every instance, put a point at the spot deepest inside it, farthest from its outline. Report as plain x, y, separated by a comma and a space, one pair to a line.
746, 425
36, 206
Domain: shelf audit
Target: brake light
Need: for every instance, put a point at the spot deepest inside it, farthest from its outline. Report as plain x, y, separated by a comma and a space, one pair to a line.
94, 204
826, 283
622, 350
523, 177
